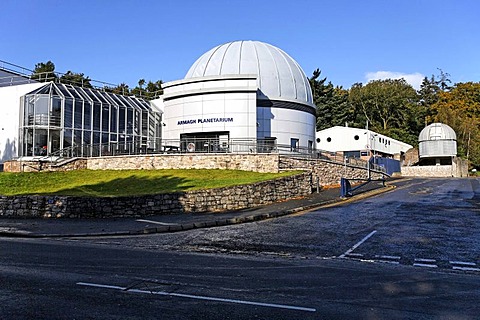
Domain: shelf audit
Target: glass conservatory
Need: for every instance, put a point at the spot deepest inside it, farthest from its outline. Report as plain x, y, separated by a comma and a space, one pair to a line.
64, 120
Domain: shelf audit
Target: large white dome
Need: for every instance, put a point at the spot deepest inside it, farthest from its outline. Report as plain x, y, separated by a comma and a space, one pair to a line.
279, 77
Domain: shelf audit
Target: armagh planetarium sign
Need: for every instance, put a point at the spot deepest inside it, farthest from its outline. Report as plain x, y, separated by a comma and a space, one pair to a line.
207, 120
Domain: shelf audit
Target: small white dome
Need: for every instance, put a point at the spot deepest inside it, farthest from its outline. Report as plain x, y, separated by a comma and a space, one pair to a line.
278, 75
437, 131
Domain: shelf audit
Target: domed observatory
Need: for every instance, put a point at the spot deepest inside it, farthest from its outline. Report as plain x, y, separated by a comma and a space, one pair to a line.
240, 96
437, 145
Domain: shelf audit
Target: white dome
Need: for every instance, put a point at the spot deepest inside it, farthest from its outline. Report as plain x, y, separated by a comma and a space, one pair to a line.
278, 75
437, 131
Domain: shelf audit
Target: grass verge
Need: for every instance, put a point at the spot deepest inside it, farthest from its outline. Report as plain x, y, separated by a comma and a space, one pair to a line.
114, 183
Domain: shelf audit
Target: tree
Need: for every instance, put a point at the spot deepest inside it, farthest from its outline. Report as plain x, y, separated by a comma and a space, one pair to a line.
151, 91
122, 89
155, 88
428, 95
388, 105
443, 80
460, 109
44, 72
321, 95
76, 79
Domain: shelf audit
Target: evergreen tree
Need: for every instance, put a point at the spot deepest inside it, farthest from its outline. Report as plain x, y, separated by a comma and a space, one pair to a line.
44, 72
76, 79
322, 94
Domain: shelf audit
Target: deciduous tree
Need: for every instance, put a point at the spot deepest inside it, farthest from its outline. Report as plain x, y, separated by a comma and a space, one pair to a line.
460, 109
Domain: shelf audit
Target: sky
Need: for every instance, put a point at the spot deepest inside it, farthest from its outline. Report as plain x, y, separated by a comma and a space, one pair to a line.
119, 41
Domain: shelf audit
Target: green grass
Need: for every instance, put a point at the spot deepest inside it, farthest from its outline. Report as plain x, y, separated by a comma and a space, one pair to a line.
111, 183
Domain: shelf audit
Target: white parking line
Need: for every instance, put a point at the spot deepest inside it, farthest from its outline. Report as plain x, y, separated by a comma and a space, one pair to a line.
182, 295
425, 265
425, 260
463, 263
428, 263
157, 222
387, 257
355, 254
465, 268
358, 244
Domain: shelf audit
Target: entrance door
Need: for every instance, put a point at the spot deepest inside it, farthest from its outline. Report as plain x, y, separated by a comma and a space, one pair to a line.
206, 142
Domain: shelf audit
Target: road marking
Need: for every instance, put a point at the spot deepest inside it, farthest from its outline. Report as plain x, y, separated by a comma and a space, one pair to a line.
428, 263
157, 222
358, 244
182, 295
463, 263
355, 255
387, 257
425, 265
465, 268
425, 260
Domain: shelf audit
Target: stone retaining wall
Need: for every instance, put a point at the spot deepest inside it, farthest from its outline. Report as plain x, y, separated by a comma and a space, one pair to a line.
329, 173
246, 162
37, 166
213, 200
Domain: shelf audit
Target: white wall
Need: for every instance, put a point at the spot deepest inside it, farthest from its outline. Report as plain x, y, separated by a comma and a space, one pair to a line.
9, 119
187, 102
286, 124
344, 139
232, 100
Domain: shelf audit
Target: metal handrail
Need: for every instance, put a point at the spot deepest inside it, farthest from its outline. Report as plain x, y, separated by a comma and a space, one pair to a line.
208, 146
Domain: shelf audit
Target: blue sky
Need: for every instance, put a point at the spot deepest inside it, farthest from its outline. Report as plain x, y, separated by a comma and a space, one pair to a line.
350, 41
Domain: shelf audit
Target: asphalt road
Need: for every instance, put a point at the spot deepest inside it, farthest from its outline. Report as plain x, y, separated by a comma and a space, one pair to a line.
407, 254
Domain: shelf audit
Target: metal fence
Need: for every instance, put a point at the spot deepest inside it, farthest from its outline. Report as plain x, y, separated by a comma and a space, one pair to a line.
208, 146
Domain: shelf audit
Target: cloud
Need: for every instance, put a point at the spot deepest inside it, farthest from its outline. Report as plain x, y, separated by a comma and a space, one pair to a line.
414, 79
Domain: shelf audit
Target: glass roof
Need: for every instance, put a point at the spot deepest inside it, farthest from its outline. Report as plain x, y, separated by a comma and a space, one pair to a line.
88, 94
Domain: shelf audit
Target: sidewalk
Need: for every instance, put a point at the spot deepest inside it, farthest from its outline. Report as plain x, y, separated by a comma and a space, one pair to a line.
49, 228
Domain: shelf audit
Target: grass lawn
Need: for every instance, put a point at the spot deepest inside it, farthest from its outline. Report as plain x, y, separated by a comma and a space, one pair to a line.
111, 183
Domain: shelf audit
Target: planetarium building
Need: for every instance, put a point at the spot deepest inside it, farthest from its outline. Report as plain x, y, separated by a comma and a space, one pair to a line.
240, 96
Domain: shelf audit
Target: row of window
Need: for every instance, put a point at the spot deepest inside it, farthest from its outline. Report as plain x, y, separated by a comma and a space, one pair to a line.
356, 137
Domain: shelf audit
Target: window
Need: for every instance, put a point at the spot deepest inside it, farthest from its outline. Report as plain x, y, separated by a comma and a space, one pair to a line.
356, 137
329, 139
294, 144
318, 140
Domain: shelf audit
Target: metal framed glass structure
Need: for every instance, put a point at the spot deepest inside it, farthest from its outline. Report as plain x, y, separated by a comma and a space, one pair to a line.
64, 120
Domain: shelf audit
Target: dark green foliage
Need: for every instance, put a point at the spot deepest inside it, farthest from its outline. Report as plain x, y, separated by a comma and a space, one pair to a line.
332, 103
76, 79
44, 72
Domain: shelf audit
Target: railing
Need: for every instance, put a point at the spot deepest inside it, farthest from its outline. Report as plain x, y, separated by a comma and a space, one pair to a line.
209, 146
23, 75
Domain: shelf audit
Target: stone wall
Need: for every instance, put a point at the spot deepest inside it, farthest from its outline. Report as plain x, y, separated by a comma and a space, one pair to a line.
246, 162
329, 173
213, 200
458, 168
36, 166
428, 171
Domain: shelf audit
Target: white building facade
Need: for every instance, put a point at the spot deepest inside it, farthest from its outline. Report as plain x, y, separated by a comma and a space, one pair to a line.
359, 143
10, 97
240, 91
